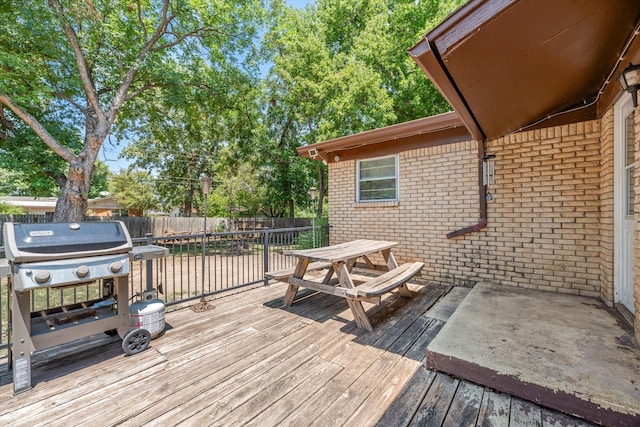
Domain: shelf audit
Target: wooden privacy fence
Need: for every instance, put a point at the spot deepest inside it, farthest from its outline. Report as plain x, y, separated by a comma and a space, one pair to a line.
170, 226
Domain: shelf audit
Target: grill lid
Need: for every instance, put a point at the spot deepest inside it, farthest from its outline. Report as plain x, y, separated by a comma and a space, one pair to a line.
29, 242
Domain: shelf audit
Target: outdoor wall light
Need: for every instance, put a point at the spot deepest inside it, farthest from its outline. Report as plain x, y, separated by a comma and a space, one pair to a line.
313, 152
488, 172
630, 81
488, 168
336, 158
205, 181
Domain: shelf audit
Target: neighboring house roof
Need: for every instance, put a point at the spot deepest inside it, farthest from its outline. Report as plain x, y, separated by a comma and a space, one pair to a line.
30, 202
435, 130
506, 65
108, 202
49, 203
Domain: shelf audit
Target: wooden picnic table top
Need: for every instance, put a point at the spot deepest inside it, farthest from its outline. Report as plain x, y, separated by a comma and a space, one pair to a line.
342, 251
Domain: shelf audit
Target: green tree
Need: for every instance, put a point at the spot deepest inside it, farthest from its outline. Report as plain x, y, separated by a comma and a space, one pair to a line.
132, 188
189, 128
93, 66
99, 179
236, 190
341, 68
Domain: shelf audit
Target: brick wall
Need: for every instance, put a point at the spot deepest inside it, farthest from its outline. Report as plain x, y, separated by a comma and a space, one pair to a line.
543, 225
545, 217
437, 194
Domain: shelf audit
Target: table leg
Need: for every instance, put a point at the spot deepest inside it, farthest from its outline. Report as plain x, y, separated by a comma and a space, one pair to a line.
350, 264
327, 277
389, 258
292, 290
359, 314
405, 291
391, 264
343, 270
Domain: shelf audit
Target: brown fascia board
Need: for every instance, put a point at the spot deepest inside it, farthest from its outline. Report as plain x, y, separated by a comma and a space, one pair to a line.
430, 62
435, 130
466, 21
452, 31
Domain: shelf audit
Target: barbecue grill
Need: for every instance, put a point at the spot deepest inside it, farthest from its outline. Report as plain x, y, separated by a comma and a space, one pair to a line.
61, 255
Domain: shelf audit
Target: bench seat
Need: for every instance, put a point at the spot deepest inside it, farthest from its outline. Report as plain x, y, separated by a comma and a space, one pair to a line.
284, 274
386, 282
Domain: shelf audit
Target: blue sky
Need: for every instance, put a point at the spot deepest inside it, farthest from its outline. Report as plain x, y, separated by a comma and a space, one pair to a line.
110, 151
298, 3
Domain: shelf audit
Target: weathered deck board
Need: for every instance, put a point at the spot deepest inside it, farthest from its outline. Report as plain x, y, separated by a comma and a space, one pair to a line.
248, 360
402, 410
494, 409
465, 406
525, 414
287, 404
185, 381
238, 373
437, 401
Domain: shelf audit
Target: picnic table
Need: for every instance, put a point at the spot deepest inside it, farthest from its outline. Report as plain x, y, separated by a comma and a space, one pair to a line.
338, 261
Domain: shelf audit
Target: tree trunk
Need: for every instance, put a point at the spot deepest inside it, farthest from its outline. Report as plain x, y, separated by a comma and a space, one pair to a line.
230, 206
188, 203
292, 211
74, 193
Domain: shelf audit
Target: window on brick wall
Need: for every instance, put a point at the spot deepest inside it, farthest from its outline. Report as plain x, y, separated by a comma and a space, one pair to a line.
377, 179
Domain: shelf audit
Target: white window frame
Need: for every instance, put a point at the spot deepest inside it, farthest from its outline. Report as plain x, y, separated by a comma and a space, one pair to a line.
396, 177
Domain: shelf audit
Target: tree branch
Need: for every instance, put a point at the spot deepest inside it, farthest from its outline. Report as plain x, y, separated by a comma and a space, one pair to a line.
121, 93
4, 122
181, 38
59, 178
144, 28
140, 90
34, 124
83, 67
285, 129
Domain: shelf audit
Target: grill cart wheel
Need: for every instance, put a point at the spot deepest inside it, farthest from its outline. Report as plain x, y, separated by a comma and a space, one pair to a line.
136, 341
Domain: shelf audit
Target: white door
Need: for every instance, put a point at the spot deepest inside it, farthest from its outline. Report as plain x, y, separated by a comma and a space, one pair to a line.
625, 223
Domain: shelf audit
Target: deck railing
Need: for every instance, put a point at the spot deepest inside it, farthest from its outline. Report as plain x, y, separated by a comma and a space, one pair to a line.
198, 265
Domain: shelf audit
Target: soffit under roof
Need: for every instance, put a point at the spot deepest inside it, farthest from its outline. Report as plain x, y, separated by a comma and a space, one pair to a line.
505, 65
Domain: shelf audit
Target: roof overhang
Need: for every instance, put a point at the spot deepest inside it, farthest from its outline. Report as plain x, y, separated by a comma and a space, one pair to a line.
435, 130
507, 65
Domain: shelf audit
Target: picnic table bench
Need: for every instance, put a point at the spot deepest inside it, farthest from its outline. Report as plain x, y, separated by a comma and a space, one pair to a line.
339, 260
284, 274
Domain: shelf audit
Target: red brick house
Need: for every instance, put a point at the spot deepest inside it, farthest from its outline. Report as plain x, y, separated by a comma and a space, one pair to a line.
531, 181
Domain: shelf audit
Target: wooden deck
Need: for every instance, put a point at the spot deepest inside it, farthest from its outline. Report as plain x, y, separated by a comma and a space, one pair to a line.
248, 361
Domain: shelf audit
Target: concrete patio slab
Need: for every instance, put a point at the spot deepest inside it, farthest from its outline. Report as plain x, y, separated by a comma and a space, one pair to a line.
565, 352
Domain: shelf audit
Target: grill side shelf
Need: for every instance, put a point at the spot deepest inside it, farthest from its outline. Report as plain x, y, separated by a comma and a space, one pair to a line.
148, 252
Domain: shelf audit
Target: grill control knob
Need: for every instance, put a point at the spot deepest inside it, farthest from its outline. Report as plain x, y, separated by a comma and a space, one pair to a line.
82, 271
115, 267
42, 277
